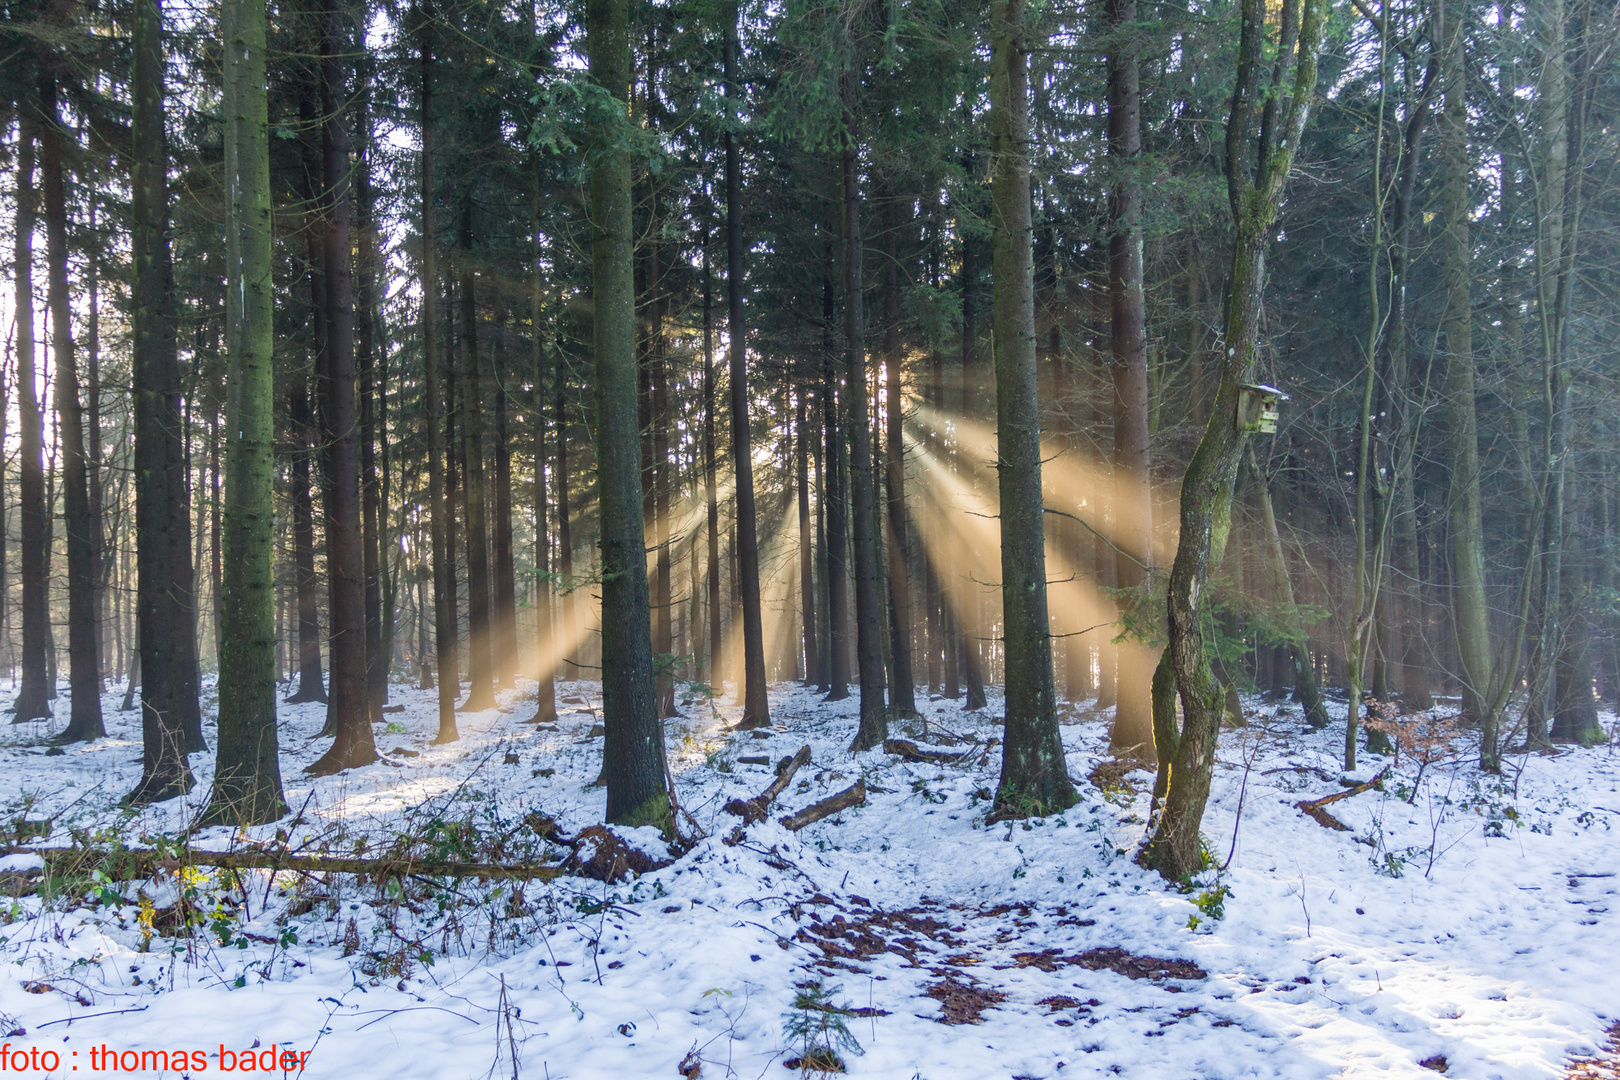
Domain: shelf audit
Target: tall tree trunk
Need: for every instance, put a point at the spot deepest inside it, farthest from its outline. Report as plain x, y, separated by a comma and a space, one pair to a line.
565, 538
349, 707
837, 576
105, 625
33, 698
547, 639
372, 516
903, 686
1034, 777
480, 674
311, 680
1469, 602
972, 661
813, 673
503, 571
874, 727
431, 406
633, 763
1187, 754
717, 667
1132, 732
756, 705
164, 771
247, 772
84, 724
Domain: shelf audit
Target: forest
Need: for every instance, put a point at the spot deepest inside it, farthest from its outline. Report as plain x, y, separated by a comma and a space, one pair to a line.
948, 424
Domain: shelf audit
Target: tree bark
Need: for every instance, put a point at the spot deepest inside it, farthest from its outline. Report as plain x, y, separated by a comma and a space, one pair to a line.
247, 772
432, 405
971, 661
84, 723
349, 707
716, 673
164, 771
1186, 757
1132, 732
874, 727
833, 399
903, 684
1034, 776
33, 697
756, 705
633, 753
1470, 606
813, 673
480, 674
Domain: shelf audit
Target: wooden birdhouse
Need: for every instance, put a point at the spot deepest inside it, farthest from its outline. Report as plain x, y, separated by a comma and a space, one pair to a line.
1257, 408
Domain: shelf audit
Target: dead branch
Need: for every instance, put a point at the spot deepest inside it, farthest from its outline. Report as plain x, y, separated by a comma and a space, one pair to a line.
1314, 807
850, 796
907, 750
144, 863
752, 810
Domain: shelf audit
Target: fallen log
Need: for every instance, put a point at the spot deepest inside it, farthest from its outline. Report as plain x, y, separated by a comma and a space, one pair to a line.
143, 862
1315, 808
752, 810
910, 751
850, 796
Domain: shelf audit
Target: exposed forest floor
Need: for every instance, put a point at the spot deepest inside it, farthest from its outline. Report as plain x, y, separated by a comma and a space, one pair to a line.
1461, 923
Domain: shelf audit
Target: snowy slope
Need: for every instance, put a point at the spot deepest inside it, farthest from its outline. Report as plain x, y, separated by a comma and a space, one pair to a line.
1474, 924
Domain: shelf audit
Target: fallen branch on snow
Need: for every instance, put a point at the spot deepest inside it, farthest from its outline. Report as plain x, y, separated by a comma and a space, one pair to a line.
1314, 807
752, 810
850, 796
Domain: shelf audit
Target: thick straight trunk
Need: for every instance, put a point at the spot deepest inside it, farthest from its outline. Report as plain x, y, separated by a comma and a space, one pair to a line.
903, 684
106, 625
348, 708
1132, 732
633, 765
34, 696
164, 771
1575, 716
1034, 777
756, 705
247, 772
431, 407
480, 673
84, 723
874, 727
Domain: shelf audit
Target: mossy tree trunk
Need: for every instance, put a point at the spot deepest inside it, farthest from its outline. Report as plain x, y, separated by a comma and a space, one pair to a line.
247, 773
1255, 176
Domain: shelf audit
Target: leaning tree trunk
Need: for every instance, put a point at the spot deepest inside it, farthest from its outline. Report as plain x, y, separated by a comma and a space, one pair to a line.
164, 771
247, 773
1187, 755
84, 723
349, 711
33, 697
1034, 775
633, 752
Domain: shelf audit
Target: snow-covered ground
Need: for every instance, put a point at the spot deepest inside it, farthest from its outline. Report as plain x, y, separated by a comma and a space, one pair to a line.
1475, 923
